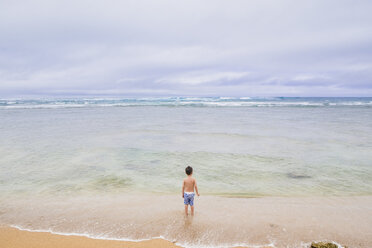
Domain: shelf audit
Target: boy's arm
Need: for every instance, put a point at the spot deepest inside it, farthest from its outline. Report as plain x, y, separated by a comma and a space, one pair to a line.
183, 188
196, 189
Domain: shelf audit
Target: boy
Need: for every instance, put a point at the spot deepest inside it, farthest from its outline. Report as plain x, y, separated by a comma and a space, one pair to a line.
189, 183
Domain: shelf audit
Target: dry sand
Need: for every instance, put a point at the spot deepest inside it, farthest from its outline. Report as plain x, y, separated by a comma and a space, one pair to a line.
14, 238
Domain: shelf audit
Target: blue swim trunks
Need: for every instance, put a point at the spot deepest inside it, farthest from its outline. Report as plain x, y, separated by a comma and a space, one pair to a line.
188, 198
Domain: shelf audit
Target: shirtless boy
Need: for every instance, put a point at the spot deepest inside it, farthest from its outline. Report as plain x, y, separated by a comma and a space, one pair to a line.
188, 186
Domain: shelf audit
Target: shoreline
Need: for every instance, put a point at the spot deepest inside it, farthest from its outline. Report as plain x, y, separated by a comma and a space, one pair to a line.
250, 222
13, 237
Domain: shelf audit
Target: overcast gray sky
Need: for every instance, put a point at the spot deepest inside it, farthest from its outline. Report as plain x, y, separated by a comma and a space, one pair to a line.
193, 48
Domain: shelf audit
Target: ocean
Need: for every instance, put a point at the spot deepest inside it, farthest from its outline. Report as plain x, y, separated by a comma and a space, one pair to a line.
113, 168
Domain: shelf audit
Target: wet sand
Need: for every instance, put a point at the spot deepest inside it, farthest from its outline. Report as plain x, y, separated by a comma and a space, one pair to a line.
219, 221
14, 238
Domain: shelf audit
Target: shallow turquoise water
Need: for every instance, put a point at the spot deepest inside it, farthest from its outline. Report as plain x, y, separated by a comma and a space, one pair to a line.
238, 147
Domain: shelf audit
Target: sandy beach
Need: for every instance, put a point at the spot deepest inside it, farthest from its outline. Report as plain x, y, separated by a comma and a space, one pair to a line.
251, 222
14, 238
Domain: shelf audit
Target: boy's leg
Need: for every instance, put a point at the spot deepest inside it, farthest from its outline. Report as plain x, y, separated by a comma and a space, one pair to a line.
187, 209
192, 204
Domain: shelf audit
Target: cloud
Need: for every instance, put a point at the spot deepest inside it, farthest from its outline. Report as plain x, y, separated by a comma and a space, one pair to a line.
258, 47
195, 78
310, 77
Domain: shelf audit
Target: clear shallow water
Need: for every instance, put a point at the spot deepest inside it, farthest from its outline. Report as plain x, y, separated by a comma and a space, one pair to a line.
57, 150
247, 151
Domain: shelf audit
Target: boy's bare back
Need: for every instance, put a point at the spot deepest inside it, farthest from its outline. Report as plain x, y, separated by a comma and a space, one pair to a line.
189, 184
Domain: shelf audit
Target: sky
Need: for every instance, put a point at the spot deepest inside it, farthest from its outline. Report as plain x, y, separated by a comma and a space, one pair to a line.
185, 48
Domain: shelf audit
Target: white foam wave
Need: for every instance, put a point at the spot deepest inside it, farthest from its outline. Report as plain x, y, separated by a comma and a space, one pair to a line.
87, 235
182, 101
105, 237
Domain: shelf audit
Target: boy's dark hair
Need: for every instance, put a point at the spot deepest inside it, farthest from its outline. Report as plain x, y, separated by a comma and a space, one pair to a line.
188, 170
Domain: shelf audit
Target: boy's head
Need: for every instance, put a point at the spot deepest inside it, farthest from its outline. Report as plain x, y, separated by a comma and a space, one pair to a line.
188, 170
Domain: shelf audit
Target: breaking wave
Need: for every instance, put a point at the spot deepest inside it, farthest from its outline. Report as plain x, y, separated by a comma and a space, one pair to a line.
187, 102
